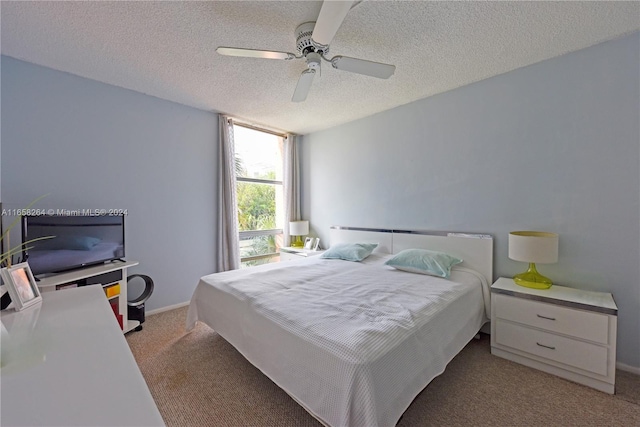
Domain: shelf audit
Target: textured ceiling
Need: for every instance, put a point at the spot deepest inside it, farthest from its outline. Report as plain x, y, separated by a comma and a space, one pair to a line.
167, 49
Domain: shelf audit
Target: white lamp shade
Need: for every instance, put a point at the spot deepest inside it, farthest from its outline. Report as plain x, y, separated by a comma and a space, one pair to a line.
299, 228
533, 246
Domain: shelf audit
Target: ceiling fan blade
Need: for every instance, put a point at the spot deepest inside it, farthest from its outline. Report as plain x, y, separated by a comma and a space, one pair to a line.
254, 53
331, 16
303, 86
360, 66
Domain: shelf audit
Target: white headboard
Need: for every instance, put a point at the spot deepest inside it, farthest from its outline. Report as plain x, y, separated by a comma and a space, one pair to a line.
383, 238
475, 249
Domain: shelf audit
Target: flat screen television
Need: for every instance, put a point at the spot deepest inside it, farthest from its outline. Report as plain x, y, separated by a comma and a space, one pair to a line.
78, 241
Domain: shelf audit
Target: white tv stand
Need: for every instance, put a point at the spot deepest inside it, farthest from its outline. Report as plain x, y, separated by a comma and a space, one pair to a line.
97, 275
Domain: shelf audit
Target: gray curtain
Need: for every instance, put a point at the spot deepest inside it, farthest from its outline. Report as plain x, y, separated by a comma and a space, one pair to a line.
291, 184
228, 245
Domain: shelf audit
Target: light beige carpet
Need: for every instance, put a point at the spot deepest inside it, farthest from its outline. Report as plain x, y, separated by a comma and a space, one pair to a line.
199, 379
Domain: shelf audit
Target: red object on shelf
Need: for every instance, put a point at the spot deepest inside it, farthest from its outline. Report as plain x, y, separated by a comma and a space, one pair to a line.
116, 311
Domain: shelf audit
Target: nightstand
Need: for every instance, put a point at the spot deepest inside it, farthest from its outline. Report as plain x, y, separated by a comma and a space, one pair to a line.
564, 331
288, 253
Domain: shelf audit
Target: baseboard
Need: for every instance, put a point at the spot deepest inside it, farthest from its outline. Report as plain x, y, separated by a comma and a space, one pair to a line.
628, 368
167, 308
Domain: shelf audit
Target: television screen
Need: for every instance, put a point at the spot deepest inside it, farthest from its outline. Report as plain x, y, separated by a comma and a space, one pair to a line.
77, 241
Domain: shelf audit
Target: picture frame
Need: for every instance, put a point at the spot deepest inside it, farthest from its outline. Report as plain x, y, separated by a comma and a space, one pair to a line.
21, 285
308, 243
316, 244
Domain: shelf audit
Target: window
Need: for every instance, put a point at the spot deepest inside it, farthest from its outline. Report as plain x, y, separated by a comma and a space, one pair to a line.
259, 170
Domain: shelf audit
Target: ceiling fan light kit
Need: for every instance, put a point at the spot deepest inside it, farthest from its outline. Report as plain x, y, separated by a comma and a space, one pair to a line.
312, 41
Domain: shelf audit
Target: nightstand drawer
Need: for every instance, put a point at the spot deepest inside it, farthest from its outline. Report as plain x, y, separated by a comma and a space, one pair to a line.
579, 354
576, 323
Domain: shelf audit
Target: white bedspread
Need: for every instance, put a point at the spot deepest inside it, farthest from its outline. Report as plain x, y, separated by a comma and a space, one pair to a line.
353, 343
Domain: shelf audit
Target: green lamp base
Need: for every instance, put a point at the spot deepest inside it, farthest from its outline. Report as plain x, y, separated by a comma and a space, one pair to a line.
532, 279
298, 243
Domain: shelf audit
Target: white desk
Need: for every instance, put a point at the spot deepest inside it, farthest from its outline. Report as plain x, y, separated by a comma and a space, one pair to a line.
66, 363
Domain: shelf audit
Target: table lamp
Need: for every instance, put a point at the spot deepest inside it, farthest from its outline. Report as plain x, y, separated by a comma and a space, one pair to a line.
533, 247
298, 229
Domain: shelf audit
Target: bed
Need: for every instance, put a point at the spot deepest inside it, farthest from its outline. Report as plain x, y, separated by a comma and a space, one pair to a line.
352, 342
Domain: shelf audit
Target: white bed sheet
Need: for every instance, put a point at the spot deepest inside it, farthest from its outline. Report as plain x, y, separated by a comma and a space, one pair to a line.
353, 343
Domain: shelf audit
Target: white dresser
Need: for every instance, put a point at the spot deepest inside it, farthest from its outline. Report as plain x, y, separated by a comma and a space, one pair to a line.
66, 362
564, 331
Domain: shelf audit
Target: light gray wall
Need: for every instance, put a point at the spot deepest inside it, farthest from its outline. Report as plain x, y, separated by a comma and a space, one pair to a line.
91, 145
554, 146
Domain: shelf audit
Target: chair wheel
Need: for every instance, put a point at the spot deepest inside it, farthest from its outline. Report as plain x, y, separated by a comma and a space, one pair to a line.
138, 328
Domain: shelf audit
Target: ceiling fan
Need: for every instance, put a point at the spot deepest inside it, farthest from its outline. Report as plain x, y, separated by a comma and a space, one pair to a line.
313, 40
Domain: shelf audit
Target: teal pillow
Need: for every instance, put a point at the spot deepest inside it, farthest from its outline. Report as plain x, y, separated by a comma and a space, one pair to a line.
423, 261
349, 251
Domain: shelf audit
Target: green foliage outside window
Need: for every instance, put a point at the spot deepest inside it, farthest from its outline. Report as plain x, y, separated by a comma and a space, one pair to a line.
256, 211
259, 245
256, 205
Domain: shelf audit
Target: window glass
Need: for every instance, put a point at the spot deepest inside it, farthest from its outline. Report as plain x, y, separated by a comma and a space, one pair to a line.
258, 154
259, 193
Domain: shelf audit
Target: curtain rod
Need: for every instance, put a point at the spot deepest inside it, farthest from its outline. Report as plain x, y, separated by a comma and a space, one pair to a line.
248, 126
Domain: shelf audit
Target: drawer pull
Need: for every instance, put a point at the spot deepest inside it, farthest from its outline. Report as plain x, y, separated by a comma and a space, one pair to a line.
546, 346
545, 317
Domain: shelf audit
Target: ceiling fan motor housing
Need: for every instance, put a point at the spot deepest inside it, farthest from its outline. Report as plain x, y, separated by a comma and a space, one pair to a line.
303, 40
